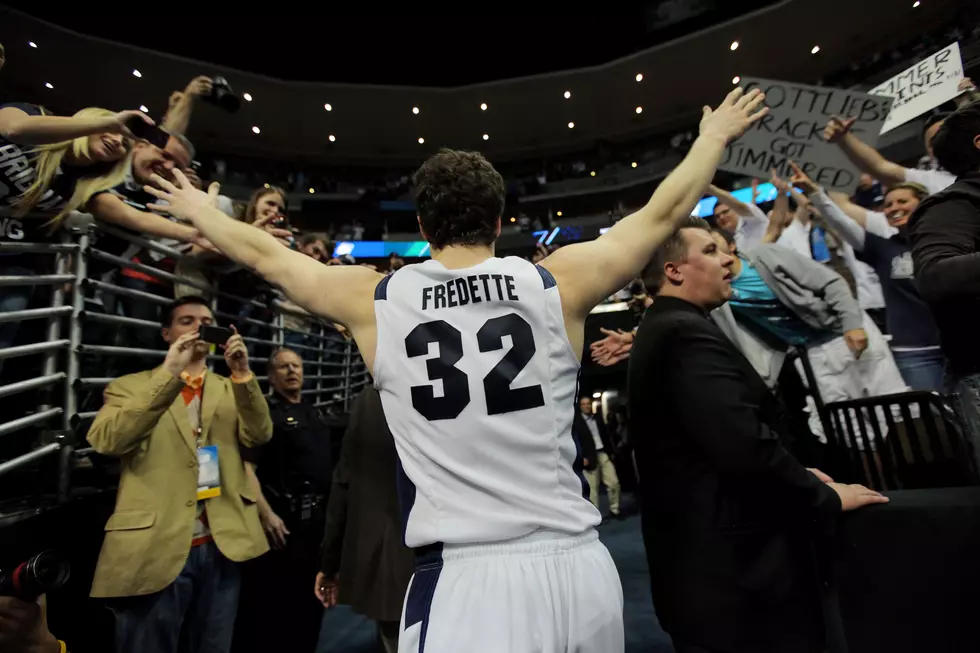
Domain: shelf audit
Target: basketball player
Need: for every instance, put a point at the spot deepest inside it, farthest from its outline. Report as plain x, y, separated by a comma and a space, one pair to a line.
476, 359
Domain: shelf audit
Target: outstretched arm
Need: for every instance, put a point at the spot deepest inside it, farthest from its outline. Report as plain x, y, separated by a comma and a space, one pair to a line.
341, 293
866, 158
20, 127
729, 200
588, 272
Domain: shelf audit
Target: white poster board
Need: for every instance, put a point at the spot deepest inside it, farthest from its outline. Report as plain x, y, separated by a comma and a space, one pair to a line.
924, 86
793, 130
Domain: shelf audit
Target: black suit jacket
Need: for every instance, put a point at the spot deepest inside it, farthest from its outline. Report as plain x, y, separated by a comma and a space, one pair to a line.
729, 516
363, 539
580, 429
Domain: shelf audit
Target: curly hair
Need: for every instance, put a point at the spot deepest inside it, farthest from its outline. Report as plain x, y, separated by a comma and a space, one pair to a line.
460, 198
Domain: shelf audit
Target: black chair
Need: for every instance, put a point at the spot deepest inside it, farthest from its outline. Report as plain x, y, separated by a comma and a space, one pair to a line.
878, 443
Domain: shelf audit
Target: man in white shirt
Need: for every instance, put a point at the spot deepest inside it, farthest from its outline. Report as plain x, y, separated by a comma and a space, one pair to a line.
597, 453
747, 222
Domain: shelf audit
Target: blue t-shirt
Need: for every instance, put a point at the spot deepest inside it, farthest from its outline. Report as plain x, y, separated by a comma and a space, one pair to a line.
753, 300
909, 319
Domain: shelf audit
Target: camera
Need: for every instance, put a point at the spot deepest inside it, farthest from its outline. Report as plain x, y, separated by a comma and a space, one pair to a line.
41, 574
222, 96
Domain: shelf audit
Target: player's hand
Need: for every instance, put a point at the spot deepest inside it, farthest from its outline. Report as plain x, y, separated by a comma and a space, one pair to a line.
275, 529
24, 627
734, 115
180, 353
236, 354
326, 589
857, 341
200, 85
823, 478
180, 198
837, 128
853, 497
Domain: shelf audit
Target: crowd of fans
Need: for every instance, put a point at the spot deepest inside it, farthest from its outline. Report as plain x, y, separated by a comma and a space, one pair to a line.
824, 274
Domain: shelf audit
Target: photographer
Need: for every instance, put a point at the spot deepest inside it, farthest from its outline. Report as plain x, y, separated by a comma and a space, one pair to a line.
24, 627
185, 514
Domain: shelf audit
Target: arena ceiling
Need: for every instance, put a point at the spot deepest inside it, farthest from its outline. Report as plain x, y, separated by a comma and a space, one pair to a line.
448, 65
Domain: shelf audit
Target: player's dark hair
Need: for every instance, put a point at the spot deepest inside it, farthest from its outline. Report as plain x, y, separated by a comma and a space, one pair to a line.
953, 144
459, 198
168, 318
672, 249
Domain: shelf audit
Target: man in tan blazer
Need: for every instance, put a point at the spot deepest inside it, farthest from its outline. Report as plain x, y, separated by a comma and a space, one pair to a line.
172, 543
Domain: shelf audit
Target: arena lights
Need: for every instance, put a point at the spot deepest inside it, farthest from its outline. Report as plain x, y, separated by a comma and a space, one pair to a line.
592, 174
268, 186
513, 219
331, 138
916, 4
596, 395
558, 214
415, 110
736, 79
639, 77
734, 46
247, 96
312, 191
571, 125
639, 109
32, 44
48, 85
144, 109
633, 164
486, 137
483, 107
256, 130
568, 94
328, 107
815, 49
137, 73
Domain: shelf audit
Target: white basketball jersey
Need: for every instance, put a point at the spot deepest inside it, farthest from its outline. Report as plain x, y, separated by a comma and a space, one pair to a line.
478, 382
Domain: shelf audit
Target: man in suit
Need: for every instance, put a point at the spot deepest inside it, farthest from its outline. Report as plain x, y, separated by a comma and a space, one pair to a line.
185, 513
597, 452
729, 516
365, 563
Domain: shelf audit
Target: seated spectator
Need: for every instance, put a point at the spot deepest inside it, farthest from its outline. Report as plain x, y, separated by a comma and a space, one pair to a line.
49, 166
185, 514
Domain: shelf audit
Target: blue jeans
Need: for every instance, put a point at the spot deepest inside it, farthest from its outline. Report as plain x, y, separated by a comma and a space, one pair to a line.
922, 370
201, 602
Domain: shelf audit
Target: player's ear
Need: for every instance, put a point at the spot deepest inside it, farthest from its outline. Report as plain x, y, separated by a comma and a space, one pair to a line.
496, 234
421, 230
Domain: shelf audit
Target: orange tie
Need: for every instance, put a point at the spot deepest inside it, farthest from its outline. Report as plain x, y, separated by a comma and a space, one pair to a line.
193, 388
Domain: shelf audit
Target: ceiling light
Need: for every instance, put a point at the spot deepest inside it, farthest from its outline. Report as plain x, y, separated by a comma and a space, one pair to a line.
815, 49
137, 73
421, 140
256, 130
639, 109
144, 109
48, 84
736, 79
247, 96
513, 219
916, 4
483, 107
268, 186
596, 395
331, 138
328, 107
734, 45
32, 44
568, 94
486, 137
558, 214
639, 77
415, 110
592, 173
633, 164
312, 191
571, 125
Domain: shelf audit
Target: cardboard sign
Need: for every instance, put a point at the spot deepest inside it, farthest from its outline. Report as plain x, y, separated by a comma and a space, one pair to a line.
793, 130
924, 86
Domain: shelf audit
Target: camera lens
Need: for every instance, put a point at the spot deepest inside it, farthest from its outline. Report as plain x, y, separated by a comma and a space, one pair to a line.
41, 574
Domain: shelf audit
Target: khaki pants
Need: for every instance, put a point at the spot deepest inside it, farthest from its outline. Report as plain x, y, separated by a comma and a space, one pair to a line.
606, 471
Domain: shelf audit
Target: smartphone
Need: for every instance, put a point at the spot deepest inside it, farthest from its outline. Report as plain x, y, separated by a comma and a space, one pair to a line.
143, 130
216, 335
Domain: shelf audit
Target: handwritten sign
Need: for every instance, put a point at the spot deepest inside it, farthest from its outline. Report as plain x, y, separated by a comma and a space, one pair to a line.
924, 86
793, 130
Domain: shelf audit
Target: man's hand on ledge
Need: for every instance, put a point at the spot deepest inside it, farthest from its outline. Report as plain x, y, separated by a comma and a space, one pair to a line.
853, 497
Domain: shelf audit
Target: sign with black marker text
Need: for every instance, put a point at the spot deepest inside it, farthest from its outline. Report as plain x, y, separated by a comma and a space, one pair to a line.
924, 86
793, 131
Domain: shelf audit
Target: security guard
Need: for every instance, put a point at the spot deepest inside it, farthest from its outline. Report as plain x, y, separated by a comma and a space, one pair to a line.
294, 473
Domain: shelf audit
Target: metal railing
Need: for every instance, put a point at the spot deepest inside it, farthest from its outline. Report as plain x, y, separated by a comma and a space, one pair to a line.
79, 332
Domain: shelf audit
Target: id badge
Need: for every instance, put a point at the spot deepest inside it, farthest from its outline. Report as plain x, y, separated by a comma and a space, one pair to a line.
208, 474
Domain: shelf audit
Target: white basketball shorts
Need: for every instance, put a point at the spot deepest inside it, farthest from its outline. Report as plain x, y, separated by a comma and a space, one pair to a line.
545, 592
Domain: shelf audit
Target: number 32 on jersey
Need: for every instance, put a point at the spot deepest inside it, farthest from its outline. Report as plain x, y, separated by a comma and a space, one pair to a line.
501, 398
